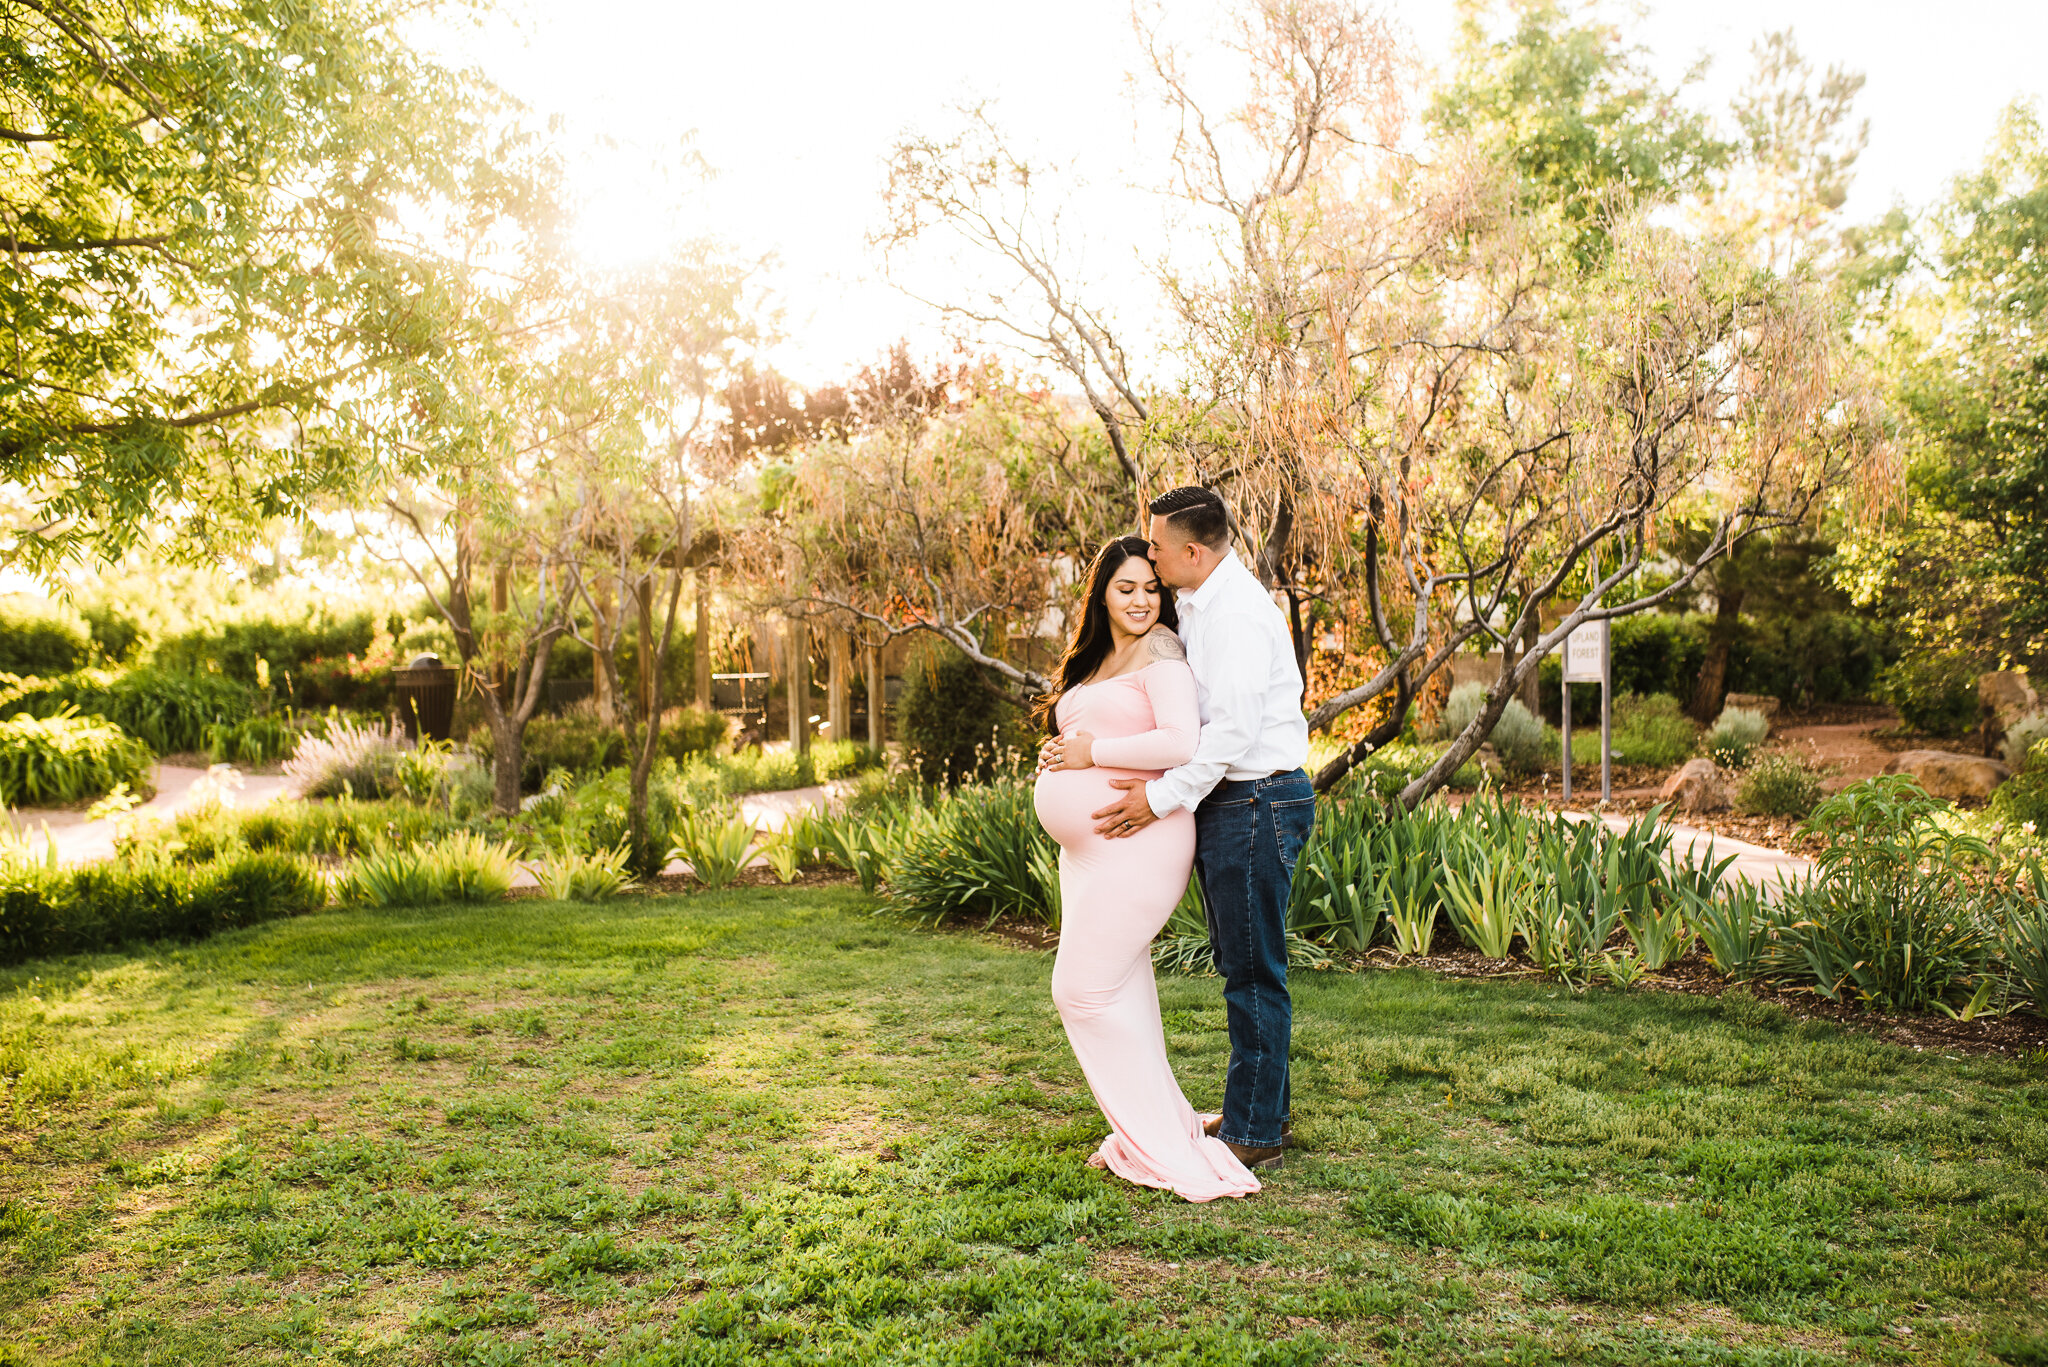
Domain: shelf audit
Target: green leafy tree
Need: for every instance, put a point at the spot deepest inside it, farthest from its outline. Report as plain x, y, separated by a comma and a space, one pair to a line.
1573, 109
203, 264
1964, 308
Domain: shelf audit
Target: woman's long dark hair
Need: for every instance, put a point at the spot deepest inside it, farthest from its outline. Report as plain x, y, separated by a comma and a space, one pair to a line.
1092, 639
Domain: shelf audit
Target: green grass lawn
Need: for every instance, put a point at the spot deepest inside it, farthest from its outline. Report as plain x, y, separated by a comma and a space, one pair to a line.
765, 1126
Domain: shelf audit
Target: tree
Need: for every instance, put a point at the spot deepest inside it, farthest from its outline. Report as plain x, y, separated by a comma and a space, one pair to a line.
203, 266
1961, 315
1574, 111
641, 478
1441, 388
960, 522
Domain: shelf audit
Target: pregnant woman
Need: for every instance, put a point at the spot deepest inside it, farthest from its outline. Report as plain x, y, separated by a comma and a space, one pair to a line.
1125, 708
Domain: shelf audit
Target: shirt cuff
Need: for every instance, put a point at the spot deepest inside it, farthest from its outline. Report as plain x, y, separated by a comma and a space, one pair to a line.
1160, 798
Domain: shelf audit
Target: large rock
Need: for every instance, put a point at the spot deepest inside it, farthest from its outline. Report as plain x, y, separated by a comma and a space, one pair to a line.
1947, 775
1698, 786
2003, 697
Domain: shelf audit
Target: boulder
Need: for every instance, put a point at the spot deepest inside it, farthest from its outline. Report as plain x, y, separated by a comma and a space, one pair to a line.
2003, 697
1698, 786
1754, 702
1948, 775
2008, 693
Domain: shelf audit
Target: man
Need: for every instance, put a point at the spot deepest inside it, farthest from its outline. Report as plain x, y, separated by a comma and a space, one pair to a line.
1254, 806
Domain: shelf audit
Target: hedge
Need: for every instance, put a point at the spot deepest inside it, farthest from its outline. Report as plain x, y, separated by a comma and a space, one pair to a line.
65, 759
46, 911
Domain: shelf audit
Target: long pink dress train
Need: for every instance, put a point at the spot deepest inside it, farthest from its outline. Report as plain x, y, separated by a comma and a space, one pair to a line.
1115, 895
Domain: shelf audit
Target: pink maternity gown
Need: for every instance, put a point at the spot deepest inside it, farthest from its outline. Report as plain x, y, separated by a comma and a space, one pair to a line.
1115, 895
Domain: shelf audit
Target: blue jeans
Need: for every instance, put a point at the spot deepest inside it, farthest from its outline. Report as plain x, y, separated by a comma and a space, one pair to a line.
1248, 833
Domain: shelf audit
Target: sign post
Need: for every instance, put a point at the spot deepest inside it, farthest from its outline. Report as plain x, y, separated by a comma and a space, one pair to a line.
1586, 661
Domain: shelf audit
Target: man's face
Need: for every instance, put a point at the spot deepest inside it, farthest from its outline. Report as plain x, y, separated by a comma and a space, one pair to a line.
1179, 560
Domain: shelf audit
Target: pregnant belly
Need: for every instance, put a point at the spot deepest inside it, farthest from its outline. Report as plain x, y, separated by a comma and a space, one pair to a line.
1067, 798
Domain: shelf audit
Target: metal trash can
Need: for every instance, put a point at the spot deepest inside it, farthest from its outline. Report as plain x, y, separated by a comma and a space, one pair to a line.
426, 698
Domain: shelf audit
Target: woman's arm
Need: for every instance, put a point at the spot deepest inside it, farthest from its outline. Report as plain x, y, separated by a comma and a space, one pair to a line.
1170, 685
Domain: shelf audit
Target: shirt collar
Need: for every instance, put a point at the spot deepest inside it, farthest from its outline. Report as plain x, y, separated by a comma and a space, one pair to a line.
1212, 587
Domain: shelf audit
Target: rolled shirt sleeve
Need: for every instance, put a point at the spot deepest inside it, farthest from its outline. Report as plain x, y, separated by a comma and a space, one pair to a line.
1236, 683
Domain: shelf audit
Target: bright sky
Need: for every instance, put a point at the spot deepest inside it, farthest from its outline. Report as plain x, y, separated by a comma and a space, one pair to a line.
797, 102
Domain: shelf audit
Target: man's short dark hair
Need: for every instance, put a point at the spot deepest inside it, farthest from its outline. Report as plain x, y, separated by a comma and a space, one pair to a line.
1196, 513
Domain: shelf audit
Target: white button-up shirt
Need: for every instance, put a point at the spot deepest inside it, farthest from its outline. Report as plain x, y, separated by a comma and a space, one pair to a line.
1247, 687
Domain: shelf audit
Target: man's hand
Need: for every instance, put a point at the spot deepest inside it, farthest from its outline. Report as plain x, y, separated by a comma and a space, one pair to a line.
1129, 814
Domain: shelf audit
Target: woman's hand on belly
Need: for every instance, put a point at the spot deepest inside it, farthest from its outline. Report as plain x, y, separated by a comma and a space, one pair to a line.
1067, 752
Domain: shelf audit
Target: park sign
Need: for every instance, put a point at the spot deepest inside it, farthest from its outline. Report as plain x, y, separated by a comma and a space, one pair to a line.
1585, 661
1585, 653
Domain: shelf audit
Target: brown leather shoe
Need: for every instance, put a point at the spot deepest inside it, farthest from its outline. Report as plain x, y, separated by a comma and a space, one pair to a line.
1267, 1160
1214, 1126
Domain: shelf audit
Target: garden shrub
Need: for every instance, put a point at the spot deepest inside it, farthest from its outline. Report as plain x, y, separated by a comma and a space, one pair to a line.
956, 726
1823, 657
577, 741
253, 740
1736, 735
1521, 740
358, 761
2024, 796
1936, 694
117, 637
1778, 785
462, 868
341, 828
167, 711
66, 759
2024, 940
1652, 730
47, 911
596, 876
580, 742
1896, 916
714, 844
596, 815
234, 648
687, 731
1467, 701
983, 854
40, 637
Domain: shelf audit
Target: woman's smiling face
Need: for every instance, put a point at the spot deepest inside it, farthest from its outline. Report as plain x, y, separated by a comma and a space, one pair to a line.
1133, 596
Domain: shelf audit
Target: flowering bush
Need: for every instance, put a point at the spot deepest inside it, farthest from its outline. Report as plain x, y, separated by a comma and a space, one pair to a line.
362, 761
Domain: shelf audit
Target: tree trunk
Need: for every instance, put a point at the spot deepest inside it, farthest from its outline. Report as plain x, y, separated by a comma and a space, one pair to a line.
798, 654
701, 650
839, 684
1531, 690
877, 701
601, 629
1712, 689
647, 647
1298, 629
508, 757
501, 602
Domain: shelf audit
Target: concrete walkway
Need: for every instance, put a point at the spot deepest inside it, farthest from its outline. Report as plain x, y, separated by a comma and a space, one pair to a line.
1761, 865
80, 841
